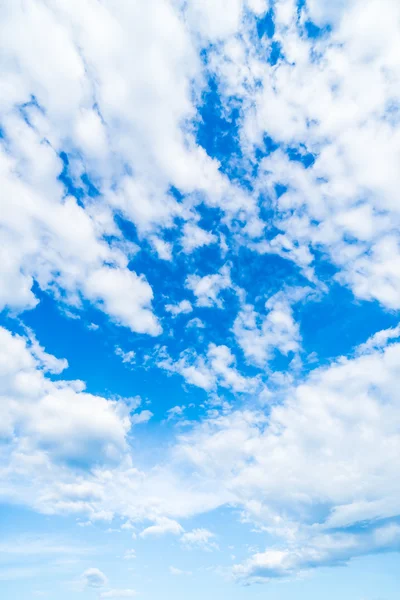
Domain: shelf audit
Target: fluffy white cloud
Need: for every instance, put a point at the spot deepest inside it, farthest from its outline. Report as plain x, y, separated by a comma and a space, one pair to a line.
56, 242
217, 367
94, 578
324, 454
323, 550
344, 421
115, 125
55, 416
213, 20
125, 296
196, 323
126, 357
260, 336
207, 288
196, 237
143, 417
345, 203
163, 525
379, 340
183, 307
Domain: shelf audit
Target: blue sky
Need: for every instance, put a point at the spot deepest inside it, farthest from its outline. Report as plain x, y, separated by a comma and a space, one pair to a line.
199, 296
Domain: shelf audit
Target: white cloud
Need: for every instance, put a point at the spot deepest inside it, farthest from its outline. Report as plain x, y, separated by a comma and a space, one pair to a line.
128, 125
55, 242
260, 336
217, 367
124, 296
199, 538
207, 288
143, 417
195, 237
130, 555
379, 340
163, 525
50, 363
118, 126
213, 20
222, 364
345, 203
196, 322
323, 550
343, 420
126, 357
94, 578
183, 307
175, 412
163, 248
55, 416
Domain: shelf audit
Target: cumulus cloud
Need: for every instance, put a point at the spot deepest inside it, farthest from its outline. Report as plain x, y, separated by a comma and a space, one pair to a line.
260, 336
94, 578
195, 323
56, 416
342, 419
124, 296
324, 550
336, 421
85, 115
183, 307
216, 368
162, 526
97, 149
196, 237
207, 288
339, 194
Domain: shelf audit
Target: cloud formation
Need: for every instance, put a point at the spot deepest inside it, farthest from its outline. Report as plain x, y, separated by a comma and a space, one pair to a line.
210, 197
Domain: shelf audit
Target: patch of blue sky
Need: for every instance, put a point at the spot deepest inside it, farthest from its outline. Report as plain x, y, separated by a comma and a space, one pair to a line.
263, 275
218, 129
72, 186
81, 186
268, 48
313, 31
266, 25
301, 155
336, 324
275, 53
93, 359
300, 5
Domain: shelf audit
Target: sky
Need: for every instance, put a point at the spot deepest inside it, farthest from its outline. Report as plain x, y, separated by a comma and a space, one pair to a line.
199, 296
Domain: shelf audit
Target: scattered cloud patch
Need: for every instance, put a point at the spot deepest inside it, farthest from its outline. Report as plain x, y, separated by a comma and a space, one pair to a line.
94, 578
202, 539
